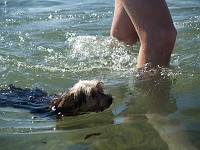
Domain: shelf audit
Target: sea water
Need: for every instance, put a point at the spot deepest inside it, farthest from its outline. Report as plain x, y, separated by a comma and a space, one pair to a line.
51, 45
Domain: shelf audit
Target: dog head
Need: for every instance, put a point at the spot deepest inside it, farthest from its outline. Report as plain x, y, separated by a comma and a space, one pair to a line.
84, 97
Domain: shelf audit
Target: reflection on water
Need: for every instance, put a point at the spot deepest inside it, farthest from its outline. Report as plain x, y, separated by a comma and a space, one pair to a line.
157, 87
51, 45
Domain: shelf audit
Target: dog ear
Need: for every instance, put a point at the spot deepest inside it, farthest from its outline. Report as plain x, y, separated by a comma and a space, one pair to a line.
80, 99
66, 100
93, 92
100, 86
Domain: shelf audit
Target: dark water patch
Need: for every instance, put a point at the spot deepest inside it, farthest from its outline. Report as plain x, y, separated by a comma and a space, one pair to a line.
34, 100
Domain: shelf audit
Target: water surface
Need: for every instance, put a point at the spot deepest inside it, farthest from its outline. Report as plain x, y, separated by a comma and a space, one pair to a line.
51, 45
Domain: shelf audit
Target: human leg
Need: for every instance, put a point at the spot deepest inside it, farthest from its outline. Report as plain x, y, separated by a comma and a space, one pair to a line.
154, 26
122, 27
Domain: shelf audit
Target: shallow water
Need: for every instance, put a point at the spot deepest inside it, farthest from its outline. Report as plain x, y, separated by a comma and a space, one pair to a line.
51, 45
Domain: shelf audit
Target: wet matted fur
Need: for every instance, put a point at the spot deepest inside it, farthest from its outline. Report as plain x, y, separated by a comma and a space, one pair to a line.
84, 97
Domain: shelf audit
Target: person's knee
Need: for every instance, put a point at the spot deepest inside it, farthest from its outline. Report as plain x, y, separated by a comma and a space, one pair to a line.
164, 43
165, 46
168, 36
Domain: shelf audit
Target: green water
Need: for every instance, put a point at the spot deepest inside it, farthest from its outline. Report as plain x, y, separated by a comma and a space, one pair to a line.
53, 44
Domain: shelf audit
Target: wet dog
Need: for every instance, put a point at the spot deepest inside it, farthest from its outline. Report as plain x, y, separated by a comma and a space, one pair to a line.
84, 97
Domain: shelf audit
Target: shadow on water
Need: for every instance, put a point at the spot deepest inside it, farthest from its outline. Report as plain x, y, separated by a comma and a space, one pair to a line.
155, 99
155, 87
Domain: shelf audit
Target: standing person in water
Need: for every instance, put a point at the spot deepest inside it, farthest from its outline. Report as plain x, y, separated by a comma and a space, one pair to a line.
150, 22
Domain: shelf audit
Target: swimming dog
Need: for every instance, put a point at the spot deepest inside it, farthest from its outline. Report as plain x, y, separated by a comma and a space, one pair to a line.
84, 97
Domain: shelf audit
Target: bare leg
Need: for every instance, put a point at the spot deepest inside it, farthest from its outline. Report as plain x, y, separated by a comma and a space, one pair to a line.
157, 34
122, 27
152, 22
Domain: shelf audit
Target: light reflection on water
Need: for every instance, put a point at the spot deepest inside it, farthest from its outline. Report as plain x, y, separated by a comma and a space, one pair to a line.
53, 44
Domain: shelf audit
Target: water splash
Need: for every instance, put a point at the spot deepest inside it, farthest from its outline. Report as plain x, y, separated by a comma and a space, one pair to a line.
83, 54
100, 52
